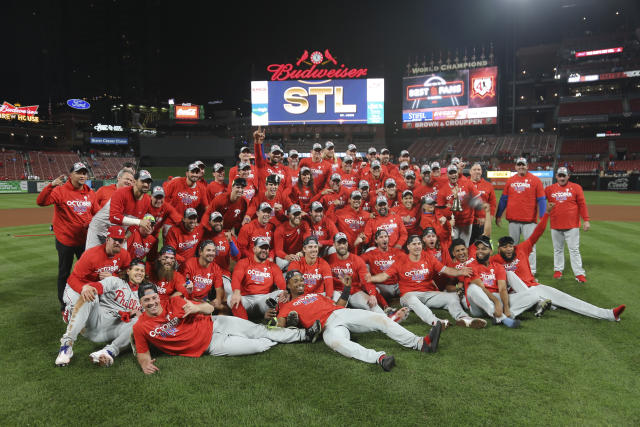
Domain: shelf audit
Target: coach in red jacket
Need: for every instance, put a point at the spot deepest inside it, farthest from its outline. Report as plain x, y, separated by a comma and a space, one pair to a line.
75, 204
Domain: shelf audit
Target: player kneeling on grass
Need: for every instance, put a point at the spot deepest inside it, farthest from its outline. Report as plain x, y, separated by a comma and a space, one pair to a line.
183, 328
105, 311
338, 322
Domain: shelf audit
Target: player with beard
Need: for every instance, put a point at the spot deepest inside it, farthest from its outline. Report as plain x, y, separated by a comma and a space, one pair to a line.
186, 236
515, 259
351, 220
376, 178
368, 201
385, 161
334, 196
164, 274
231, 205
365, 168
217, 186
320, 169
320, 226
469, 200
379, 260
288, 238
338, 322
104, 312
348, 176
487, 195
226, 245
405, 157
486, 290
163, 213
415, 274
409, 212
316, 272
391, 222
428, 186
303, 190
251, 189
273, 195
407, 181
253, 282
184, 192
274, 166
293, 164
183, 328
259, 227
203, 277
244, 157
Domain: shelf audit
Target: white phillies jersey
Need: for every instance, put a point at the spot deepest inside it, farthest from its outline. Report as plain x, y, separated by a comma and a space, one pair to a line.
118, 296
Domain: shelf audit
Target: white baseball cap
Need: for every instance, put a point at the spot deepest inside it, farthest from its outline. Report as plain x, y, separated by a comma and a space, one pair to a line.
562, 171
276, 149
521, 160
352, 147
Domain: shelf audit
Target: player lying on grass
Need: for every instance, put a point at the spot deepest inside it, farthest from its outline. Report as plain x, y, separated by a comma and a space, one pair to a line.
104, 311
515, 259
183, 328
338, 322
416, 273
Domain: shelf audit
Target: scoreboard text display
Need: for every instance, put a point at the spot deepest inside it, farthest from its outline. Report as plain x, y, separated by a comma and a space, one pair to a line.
317, 102
451, 98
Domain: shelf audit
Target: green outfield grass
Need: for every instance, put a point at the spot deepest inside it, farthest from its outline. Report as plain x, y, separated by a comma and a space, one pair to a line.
563, 369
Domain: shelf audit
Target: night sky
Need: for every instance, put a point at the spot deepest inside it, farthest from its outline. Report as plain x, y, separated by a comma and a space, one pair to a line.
148, 51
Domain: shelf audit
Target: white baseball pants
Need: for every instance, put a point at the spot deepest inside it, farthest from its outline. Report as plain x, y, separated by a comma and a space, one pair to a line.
421, 302
560, 299
481, 304
463, 233
388, 291
358, 300
572, 237
233, 336
96, 324
524, 229
341, 323
282, 263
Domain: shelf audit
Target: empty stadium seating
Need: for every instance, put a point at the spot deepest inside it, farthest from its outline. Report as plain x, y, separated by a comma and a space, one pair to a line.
107, 167
50, 165
625, 165
12, 165
585, 146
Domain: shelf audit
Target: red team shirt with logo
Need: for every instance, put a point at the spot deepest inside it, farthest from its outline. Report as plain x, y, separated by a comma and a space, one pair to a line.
72, 212
394, 226
320, 171
323, 230
202, 278
223, 250
183, 241
351, 223
570, 205
317, 276
380, 262
215, 188
94, 261
256, 278
139, 246
410, 217
488, 274
353, 266
523, 192
233, 212
310, 307
288, 240
416, 276
300, 196
123, 203
250, 232
487, 194
173, 334
181, 196
104, 194
466, 190
166, 288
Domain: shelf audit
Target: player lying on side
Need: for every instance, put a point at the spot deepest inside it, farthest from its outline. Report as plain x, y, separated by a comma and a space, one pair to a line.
338, 322
183, 328
104, 311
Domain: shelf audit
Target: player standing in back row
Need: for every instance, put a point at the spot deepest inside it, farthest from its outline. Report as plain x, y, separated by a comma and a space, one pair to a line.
523, 195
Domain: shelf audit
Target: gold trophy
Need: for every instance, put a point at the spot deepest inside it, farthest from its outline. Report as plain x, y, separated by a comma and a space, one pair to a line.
456, 205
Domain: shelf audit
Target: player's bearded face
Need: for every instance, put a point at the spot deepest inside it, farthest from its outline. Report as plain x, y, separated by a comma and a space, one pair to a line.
216, 226
190, 223
342, 247
383, 209
208, 253
507, 252
483, 253
316, 215
262, 252
136, 274
295, 218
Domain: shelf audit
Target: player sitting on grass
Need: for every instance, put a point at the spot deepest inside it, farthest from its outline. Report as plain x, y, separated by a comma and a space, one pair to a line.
105, 311
338, 322
183, 328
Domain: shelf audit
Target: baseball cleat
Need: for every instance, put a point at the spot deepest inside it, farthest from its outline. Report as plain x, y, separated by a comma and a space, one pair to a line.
618, 311
511, 323
471, 322
387, 362
557, 274
430, 342
444, 322
581, 279
542, 306
64, 354
292, 320
314, 331
132, 342
102, 357
389, 310
400, 315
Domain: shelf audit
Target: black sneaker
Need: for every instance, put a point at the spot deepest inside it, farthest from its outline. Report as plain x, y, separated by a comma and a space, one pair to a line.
387, 362
430, 343
292, 320
314, 331
542, 306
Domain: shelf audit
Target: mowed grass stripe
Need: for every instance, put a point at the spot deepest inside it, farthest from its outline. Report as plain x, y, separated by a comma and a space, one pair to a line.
562, 369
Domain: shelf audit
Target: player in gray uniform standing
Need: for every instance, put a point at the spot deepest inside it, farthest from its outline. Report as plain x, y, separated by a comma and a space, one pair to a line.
105, 311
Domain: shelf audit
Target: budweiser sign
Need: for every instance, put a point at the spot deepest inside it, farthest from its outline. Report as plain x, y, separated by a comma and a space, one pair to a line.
9, 112
316, 62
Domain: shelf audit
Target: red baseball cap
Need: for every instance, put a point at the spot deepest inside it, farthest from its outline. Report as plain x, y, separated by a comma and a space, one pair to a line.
116, 232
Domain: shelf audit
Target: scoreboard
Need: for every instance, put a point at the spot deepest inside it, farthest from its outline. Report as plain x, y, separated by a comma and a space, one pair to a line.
358, 101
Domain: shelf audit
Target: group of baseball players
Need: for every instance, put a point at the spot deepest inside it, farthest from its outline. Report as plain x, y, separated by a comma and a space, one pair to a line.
319, 246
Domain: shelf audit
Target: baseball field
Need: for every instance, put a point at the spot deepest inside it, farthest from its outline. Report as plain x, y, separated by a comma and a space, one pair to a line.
562, 369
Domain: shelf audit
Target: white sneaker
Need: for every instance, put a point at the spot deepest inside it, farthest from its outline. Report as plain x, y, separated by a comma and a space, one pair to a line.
471, 322
102, 358
64, 354
445, 323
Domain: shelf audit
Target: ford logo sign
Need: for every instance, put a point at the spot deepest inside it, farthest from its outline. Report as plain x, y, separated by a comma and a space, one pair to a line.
78, 104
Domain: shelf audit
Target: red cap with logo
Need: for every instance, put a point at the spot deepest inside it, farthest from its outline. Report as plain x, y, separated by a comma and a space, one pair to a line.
116, 232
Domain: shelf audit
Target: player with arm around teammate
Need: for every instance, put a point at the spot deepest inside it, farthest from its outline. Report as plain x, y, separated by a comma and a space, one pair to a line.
184, 328
339, 322
105, 311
